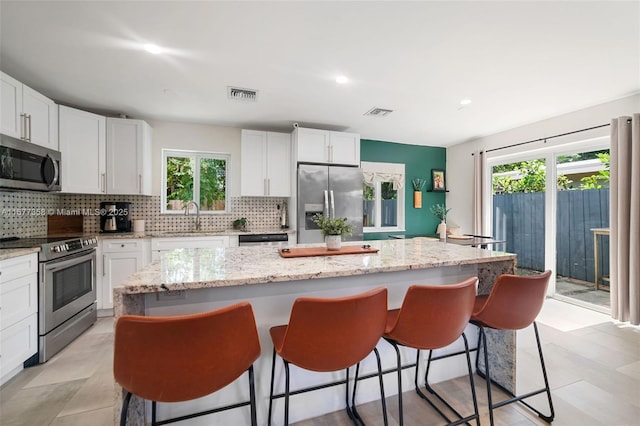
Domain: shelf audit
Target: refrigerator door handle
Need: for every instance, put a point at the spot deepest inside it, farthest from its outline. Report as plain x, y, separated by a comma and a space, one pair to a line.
326, 204
333, 205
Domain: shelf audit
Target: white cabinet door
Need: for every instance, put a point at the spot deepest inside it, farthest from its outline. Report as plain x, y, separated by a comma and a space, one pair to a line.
278, 164
18, 299
83, 147
128, 157
18, 343
26, 114
345, 148
42, 118
265, 164
327, 147
11, 122
117, 267
18, 313
253, 163
313, 145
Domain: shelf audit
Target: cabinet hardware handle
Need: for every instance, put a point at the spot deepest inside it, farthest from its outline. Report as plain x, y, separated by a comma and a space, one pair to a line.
29, 127
268, 186
140, 183
264, 186
103, 183
23, 126
104, 265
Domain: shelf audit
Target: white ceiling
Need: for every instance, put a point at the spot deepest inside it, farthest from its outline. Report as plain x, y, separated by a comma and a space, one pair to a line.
519, 62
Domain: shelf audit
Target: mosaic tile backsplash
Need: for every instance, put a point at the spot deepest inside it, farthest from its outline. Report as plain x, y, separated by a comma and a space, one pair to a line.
24, 214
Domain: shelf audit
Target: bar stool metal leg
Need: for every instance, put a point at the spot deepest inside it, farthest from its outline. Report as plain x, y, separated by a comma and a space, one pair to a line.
514, 398
252, 397
125, 408
273, 370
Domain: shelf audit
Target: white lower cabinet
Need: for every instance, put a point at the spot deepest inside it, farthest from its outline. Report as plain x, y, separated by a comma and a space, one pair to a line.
18, 313
164, 244
121, 258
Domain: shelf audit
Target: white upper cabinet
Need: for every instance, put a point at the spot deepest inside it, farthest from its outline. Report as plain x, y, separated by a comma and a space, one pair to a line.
327, 147
11, 119
128, 157
83, 147
265, 164
26, 114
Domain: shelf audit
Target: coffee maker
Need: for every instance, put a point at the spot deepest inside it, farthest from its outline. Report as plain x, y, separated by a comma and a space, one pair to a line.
115, 217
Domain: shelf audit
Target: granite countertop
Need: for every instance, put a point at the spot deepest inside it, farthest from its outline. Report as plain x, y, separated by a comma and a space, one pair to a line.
221, 267
11, 253
171, 234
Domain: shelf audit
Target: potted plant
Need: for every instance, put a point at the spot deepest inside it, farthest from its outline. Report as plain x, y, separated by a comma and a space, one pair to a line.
240, 224
333, 230
440, 211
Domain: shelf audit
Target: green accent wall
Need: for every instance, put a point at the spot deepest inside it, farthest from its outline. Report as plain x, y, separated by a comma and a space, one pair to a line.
418, 160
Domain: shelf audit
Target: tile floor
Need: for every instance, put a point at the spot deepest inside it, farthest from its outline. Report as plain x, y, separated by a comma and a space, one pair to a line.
593, 363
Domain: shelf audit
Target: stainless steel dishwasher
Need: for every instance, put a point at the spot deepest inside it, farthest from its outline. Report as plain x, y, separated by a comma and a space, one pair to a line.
275, 239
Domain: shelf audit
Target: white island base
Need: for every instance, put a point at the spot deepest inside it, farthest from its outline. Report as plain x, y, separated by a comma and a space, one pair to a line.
272, 301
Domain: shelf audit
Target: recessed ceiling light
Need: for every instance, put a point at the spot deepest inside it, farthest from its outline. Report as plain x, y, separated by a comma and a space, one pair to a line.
152, 48
341, 79
465, 102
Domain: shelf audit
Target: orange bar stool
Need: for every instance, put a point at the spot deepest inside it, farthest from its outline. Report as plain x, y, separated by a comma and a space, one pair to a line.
513, 304
433, 317
330, 334
180, 358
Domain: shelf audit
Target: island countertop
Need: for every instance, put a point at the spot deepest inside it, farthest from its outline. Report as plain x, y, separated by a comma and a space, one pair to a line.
216, 277
185, 269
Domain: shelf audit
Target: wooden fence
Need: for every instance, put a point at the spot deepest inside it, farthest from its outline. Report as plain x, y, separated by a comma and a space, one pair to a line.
519, 219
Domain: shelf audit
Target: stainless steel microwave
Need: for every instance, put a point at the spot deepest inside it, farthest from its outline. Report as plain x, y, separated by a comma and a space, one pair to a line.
24, 165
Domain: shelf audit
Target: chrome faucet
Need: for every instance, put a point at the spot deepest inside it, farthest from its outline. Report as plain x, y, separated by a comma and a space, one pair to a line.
186, 212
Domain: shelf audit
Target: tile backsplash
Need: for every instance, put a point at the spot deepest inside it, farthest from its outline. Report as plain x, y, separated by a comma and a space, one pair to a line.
24, 214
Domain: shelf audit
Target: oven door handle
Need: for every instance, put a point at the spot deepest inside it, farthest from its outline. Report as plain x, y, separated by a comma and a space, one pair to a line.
66, 262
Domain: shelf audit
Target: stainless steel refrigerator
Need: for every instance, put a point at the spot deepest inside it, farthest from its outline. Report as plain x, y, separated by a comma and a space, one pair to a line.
333, 191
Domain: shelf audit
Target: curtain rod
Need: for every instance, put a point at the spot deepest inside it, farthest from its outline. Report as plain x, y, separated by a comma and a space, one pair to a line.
544, 139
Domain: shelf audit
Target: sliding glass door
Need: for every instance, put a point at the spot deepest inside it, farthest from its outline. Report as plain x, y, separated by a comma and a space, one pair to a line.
518, 200
551, 206
582, 227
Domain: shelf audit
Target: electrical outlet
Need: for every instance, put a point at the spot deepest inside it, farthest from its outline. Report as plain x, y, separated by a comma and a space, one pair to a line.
171, 295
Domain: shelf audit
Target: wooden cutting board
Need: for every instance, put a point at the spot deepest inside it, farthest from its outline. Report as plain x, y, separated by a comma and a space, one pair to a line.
322, 251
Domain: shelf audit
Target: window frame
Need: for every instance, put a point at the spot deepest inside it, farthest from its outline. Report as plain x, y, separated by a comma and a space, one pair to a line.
196, 156
400, 203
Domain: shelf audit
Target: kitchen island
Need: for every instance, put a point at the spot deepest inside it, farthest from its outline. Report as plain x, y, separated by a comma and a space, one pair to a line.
187, 281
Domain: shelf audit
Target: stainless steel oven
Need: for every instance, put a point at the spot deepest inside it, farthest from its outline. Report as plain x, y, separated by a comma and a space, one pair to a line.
66, 289
67, 300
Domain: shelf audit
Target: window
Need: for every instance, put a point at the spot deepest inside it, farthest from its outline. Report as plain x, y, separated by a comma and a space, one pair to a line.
196, 176
383, 198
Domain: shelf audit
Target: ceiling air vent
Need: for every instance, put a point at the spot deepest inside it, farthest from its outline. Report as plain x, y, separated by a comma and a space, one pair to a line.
378, 112
240, 94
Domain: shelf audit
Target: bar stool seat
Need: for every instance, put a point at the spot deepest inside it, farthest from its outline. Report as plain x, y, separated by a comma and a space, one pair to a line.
513, 304
180, 358
433, 317
330, 334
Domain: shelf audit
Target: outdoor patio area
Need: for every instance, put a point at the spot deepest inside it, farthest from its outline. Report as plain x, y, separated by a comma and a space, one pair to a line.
584, 291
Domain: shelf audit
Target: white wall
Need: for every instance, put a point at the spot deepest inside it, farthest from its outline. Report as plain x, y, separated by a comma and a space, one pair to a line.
460, 160
195, 137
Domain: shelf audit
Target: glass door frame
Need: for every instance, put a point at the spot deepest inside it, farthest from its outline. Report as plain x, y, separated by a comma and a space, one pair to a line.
550, 154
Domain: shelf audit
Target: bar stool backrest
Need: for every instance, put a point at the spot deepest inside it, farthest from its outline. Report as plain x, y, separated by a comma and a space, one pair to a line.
330, 334
514, 301
434, 316
172, 359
